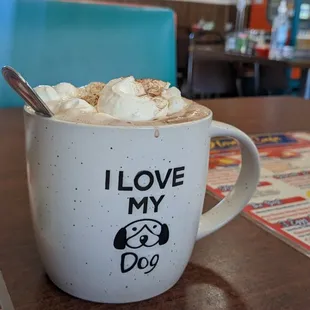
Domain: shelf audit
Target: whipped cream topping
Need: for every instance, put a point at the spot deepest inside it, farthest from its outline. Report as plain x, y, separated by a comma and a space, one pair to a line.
66, 90
123, 98
139, 100
63, 98
47, 93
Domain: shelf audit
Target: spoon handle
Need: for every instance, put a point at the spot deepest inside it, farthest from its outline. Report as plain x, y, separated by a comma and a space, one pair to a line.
24, 90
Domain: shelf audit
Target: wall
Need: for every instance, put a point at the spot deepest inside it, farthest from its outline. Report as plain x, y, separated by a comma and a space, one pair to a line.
190, 11
219, 2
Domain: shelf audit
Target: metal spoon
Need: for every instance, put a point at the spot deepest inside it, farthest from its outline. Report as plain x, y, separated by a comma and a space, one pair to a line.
22, 88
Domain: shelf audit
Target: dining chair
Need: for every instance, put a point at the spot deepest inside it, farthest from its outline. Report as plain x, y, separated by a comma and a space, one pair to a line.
49, 42
209, 77
182, 53
274, 79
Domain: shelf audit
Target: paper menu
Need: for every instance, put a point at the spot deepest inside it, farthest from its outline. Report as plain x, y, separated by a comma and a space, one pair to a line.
281, 203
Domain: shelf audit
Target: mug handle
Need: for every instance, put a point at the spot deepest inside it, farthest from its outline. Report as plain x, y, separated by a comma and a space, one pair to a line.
244, 188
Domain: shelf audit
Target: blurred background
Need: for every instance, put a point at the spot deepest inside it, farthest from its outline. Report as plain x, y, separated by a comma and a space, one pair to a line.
208, 48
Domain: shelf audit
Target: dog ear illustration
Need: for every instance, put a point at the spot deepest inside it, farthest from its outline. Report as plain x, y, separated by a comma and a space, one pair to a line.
120, 239
164, 234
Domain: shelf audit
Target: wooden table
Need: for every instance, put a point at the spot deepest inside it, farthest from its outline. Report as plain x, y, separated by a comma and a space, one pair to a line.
220, 54
240, 267
207, 52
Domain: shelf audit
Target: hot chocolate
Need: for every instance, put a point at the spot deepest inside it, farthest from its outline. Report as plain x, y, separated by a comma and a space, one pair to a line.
116, 207
121, 102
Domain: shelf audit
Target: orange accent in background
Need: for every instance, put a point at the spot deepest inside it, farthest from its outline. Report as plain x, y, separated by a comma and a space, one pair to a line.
258, 20
295, 73
258, 16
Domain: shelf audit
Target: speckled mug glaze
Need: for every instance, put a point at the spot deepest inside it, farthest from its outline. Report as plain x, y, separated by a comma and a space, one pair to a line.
117, 210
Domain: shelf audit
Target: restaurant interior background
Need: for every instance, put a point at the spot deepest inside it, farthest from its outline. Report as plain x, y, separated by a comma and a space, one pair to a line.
216, 54
219, 49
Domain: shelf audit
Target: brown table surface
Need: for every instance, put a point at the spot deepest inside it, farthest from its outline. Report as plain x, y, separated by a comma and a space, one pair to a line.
239, 267
218, 53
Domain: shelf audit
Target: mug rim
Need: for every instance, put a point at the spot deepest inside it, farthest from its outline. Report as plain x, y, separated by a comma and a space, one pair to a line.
29, 112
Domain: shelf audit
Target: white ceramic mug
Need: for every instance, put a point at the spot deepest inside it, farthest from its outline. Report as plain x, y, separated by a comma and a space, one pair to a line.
117, 210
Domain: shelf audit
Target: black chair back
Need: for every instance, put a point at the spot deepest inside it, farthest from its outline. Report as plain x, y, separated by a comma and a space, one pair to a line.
209, 77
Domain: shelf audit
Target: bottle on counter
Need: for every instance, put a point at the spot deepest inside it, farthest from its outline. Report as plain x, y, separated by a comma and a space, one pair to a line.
279, 32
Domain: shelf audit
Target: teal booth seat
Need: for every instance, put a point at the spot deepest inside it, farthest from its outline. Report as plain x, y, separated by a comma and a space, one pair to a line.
49, 42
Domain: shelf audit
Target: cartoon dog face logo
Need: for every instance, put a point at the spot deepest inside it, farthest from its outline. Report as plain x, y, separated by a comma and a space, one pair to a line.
141, 233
